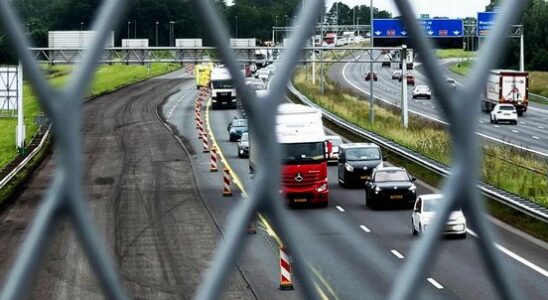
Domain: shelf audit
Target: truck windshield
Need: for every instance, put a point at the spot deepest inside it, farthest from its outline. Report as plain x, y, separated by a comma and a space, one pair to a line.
222, 84
303, 153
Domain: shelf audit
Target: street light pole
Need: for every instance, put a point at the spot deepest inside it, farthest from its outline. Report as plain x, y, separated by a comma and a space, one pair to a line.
372, 44
157, 33
135, 29
81, 26
128, 24
236, 17
171, 33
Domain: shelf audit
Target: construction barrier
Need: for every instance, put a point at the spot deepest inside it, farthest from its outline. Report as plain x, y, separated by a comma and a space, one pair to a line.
205, 142
227, 192
213, 165
285, 270
200, 129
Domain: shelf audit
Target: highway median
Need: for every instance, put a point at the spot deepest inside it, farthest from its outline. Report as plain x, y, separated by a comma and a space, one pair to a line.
511, 170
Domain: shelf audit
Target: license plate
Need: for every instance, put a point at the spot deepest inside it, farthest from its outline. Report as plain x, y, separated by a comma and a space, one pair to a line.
506, 114
396, 197
299, 200
364, 177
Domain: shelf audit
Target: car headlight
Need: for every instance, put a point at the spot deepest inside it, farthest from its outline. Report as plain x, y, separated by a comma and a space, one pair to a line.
348, 167
214, 101
412, 188
461, 219
322, 188
377, 190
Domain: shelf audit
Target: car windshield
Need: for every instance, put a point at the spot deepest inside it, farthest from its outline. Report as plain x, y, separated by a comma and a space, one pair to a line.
302, 153
506, 107
335, 142
257, 86
429, 205
362, 154
384, 176
223, 84
239, 123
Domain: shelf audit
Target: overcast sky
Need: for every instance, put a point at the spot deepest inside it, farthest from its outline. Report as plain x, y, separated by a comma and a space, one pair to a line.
440, 8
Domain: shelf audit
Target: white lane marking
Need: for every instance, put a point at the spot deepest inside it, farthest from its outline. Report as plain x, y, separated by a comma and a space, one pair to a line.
435, 283
481, 122
433, 106
340, 208
364, 228
397, 254
174, 107
522, 122
497, 126
535, 137
541, 127
545, 154
515, 131
516, 257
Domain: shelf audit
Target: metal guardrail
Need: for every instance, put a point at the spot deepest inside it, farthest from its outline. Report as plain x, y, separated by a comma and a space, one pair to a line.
538, 97
65, 198
523, 205
4, 181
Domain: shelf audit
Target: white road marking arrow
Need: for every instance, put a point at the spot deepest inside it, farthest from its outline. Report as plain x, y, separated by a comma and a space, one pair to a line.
378, 32
430, 32
456, 32
403, 32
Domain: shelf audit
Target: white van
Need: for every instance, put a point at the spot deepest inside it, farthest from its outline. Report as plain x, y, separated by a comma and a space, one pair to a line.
223, 90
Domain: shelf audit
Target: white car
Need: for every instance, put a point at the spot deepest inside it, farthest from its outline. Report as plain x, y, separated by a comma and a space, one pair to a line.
422, 91
425, 210
335, 141
504, 113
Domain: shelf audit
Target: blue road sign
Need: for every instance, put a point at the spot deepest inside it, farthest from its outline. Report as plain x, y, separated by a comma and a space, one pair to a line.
486, 20
436, 28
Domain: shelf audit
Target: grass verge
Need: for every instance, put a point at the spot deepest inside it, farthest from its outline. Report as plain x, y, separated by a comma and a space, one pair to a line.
504, 167
107, 79
454, 53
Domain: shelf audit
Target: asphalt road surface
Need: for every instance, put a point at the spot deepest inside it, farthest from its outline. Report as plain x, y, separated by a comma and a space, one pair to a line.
143, 198
530, 133
357, 253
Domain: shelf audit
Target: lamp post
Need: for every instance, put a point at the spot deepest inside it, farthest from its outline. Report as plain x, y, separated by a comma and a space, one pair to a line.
358, 24
171, 32
274, 33
236, 17
371, 96
135, 36
157, 33
128, 24
81, 26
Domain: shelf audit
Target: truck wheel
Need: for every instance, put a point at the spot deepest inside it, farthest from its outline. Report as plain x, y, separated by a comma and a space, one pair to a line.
491, 119
413, 230
520, 113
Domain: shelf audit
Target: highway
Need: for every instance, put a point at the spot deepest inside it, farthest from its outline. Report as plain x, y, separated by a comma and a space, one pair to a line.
162, 214
356, 253
531, 133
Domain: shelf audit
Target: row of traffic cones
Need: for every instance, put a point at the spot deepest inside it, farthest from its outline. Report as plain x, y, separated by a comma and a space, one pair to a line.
286, 282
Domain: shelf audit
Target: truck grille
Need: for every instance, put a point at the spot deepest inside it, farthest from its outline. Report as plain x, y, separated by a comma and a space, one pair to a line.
307, 179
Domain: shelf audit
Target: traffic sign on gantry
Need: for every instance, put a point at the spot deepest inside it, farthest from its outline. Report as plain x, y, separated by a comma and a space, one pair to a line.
486, 20
436, 28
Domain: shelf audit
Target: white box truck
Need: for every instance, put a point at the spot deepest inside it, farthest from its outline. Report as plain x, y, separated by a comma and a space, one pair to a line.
300, 132
506, 86
223, 90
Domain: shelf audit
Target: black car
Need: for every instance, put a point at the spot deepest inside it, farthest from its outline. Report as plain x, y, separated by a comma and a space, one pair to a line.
236, 128
390, 186
243, 145
357, 162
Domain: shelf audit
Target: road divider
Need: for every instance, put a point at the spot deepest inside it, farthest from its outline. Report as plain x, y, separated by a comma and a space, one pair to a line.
285, 270
213, 162
227, 191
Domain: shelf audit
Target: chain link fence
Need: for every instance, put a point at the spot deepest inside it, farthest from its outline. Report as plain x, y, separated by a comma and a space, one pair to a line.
65, 197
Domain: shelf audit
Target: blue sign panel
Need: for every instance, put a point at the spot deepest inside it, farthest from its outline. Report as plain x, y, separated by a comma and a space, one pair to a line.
436, 28
485, 22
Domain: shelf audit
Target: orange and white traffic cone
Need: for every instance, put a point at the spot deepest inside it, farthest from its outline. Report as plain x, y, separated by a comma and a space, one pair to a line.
227, 192
213, 165
200, 129
205, 142
285, 270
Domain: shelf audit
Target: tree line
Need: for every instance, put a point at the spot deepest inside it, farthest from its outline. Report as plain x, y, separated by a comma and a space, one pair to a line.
244, 19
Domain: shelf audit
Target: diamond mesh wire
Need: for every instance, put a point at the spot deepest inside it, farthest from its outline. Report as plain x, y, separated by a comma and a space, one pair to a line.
65, 196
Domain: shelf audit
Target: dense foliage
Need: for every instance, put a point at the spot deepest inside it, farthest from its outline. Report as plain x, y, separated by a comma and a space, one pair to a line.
247, 18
